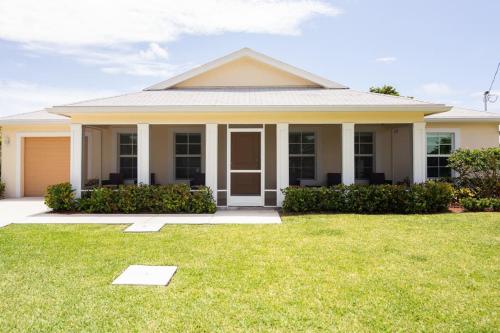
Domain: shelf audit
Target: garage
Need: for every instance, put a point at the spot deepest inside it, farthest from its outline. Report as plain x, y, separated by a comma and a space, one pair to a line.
46, 162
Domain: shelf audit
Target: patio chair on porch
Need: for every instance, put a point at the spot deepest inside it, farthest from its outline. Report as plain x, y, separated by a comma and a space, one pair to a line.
114, 179
377, 178
198, 180
333, 179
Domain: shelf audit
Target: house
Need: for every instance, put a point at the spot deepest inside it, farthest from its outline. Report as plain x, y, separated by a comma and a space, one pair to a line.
247, 126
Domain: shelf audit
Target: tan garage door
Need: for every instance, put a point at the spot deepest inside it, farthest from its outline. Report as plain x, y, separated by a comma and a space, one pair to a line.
46, 162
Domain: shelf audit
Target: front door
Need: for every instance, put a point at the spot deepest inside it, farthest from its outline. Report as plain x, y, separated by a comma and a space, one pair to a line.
245, 181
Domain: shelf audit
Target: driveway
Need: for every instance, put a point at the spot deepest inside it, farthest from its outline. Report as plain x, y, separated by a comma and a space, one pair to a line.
12, 210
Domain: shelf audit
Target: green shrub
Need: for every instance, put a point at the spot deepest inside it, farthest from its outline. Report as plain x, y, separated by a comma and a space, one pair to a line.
2, 189
60, 197
460, 193
481, 204
100, 200
478, 170
202, 201
430, 197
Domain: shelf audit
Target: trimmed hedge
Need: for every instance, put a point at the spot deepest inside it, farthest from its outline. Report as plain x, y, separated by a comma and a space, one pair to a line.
429, 197
158, 199
481, 204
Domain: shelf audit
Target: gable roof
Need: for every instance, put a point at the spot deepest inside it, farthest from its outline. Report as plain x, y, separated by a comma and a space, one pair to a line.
464, 115
246, 52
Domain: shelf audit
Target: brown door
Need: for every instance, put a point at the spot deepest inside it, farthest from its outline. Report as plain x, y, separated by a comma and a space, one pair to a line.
46, 162
245, 168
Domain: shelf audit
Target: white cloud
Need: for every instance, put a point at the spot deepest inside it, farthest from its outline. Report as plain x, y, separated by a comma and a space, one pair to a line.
117, 59
100, 22
17, 97
106, 33
437, 89
386, 60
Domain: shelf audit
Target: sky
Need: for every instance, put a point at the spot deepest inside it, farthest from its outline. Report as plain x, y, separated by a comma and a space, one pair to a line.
61, 51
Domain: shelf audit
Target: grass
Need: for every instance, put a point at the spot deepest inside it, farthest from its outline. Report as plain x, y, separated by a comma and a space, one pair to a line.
312, 273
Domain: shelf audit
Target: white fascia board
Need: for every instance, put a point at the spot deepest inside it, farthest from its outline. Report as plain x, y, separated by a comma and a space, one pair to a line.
462, 120
34, 121
245, 52
428, 109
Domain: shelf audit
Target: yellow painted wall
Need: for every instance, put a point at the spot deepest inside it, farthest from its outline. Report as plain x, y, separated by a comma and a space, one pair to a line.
104, 158
473, 135
245, 72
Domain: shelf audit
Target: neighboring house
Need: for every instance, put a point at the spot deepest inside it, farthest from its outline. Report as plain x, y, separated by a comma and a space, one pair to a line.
247, 126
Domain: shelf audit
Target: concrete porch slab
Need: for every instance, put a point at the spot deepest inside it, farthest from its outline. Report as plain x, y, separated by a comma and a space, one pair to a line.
146, 275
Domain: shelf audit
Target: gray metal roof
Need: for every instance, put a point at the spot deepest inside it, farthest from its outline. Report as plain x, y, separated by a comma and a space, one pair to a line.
252, 97
35, 117
463, 114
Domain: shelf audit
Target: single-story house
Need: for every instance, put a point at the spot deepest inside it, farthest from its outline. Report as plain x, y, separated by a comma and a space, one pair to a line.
247, 126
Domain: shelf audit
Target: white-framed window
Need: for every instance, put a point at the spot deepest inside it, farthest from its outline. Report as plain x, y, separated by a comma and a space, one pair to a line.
364, 154
187, 155
440, 145
302, 156
127, 155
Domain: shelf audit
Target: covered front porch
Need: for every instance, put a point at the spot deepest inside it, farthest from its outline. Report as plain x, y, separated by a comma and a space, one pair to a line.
247, 164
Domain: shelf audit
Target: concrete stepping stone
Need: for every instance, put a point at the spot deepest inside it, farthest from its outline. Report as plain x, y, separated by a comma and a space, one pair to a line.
142, 275
145, 227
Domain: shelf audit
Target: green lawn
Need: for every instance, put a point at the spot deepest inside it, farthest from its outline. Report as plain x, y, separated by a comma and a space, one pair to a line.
312, 273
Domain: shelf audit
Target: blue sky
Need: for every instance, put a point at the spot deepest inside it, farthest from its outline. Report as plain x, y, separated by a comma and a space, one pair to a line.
66, 51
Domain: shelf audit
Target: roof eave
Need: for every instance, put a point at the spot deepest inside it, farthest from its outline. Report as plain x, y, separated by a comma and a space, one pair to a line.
427, 109
462, 120
34, 122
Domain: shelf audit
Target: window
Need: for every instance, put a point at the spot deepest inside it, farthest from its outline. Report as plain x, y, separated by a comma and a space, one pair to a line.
364, 154
128, 155
187, 155
439, 148
302, 156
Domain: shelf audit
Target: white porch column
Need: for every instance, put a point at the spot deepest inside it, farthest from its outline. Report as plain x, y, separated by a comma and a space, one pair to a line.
281, 161
348, 153
143, 173
76, 153
419, 153
211, 158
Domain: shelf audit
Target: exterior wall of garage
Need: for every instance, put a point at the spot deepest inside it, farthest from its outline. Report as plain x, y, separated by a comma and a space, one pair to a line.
12, 145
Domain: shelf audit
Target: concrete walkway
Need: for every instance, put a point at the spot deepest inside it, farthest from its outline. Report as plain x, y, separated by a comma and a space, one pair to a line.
13, 210
33, 211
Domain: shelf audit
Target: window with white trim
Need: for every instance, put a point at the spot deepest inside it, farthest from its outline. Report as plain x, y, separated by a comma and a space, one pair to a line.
302, 156
439, 148
127, 149
187, 155
364, 154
